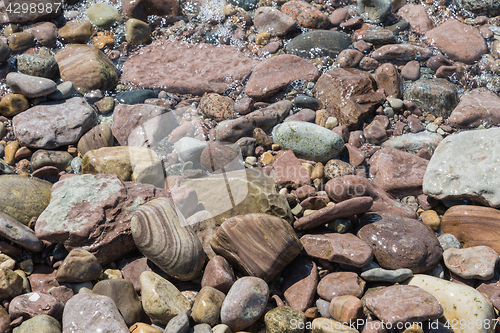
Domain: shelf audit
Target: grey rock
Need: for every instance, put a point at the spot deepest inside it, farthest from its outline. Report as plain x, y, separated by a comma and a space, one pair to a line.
449, 241
89, 312
201, 328
5, 52
413, 142
63, 91
18, 233
54, 124
30, 86
178, 324
386, 275
319, 43
41, 158
323, 308
189, 149
489, 8
464, 167
437, 96
374, 10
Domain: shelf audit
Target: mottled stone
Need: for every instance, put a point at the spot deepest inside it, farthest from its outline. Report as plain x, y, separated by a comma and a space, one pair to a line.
35, 304
26, 198
305, 14
186, 69
11, 283
46, 126
460, 166
42, 64
340, 248
94, 212
86, 312
437, 96
347, 208
12, 104
400, 242
459, 302
345, 104
401, 304
258, 257
161, 233
340, 284
245, 303
300, 279
374, 11
217, 107
476, 262
321, 43
284, 319
350, 186
398, 173
275, 73
122, 292
308, 141
337, 168
87, 68
161, 300
458, 41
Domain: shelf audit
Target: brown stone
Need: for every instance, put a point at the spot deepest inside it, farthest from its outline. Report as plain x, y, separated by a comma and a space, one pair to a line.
217, 107
131, 269
477, 107
77, 31
186, 69
315, 203
305, 14
340, 210
402, 304
273, 21
340, 284
350, 186
288, 171
349, 58
79, 266
339, 248
300, 279
346, 309
417, 16
356, 156
143, 8
216, 156
33, 304
398, 173
257, 256
45, 33
98, 137
458, 41
401, 242
275, 73
349, 106
218, 274
492, 290
403, 52
411, 71
388, 78
375, 132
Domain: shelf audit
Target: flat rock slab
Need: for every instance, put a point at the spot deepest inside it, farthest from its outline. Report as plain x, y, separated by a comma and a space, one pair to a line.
187, 69
94, 212
52, 125
277, 72
459, 41
257, 244
477, 107
340, 248
476, 262
464, 167
403, 304
473, 226
400, 242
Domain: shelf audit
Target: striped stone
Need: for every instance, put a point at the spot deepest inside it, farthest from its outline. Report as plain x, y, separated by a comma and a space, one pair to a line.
162, 234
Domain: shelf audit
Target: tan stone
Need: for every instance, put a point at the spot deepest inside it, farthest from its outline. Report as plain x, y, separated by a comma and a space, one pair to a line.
12, 104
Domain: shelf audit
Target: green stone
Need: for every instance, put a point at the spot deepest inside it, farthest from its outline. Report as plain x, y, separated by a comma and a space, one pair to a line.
41, 65
39, 324
23, 197
103, 15
137, 32
284, 320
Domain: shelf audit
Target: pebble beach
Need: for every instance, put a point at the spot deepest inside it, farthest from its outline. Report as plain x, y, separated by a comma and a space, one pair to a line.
249, 166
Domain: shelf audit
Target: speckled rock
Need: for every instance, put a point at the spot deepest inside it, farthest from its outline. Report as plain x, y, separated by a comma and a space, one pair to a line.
275, 73
257, 257
15, 231
448, 241
206, 307
308, 140
39, 324
343, 103
458, 168
437, 96
401, 304
161, 300
476, 262
459, 302
321, 43
26, 198
458, 41
179, 63
86, 312
73, 216
42, 64
217, 107
245, 303
400, 242
340, 284
284, 319
46, 126
161, 233
340, 248
305, 14
338, 168
99, 73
